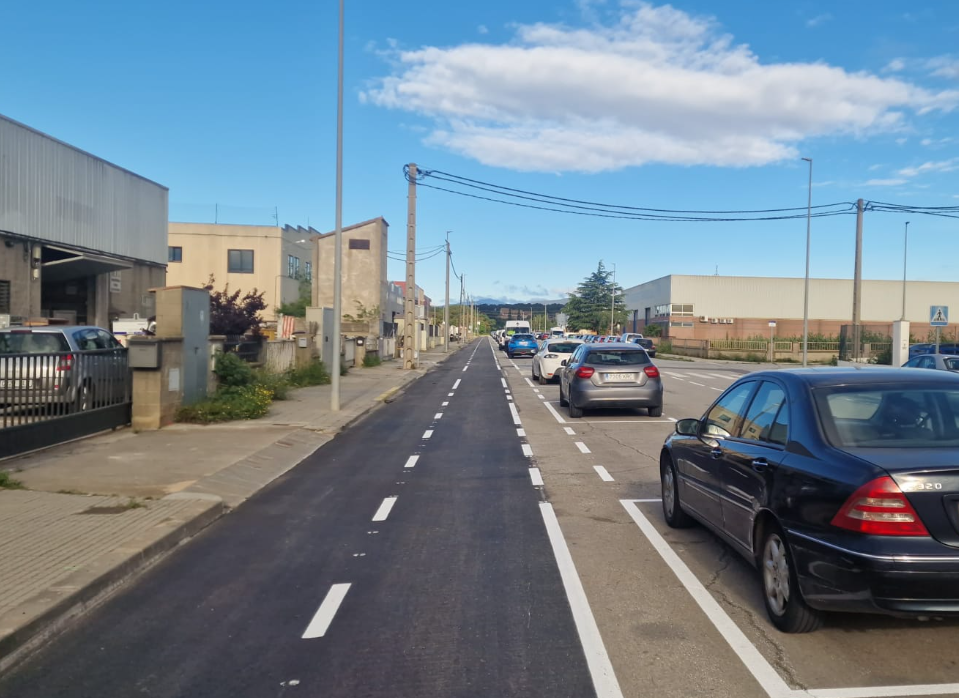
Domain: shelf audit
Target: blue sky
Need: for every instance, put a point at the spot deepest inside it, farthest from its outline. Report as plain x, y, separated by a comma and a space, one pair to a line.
694, 105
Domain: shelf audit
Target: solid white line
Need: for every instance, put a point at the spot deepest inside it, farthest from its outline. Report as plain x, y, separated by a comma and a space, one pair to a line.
757, 665
669, 420
503, 381
582, 447
695, 383
527, 450
929, 689
603, 473
555, 413
411, 461
529, 382
600, 668
324, 614
521, 432
428, 433
457, 383
568, 430
536, 477
512, 409
445, 404
384, 509
438, 415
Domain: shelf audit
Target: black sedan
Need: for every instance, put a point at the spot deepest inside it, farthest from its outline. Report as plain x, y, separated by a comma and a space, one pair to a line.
840, 485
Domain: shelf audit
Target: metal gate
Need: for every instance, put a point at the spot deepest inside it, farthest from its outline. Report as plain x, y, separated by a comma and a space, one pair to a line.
49, 398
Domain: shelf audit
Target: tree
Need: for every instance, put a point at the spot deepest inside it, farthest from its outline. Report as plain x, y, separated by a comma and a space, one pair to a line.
231, 314
298, 307
589, 308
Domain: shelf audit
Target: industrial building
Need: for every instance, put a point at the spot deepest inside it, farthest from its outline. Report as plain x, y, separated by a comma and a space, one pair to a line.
81, 240
266, 258
739, 307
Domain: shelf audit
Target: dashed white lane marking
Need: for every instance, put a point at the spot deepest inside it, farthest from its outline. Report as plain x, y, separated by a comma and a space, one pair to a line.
465, 367
509, 397
720, 375
457, 383
582, 447
597, 659
324, 614
450, 394
701, 375
384, 509
536, 477
556, 414
568, 430
445, 404
603, 473
503, 381
527, 450
718, 390
674, 375
411, 461
695, 383
512, 409
428, 433
541, 397
521, 432
438, 415
529, 382
536, 390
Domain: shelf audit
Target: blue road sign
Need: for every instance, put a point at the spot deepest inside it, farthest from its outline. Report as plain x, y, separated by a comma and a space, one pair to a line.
938, 315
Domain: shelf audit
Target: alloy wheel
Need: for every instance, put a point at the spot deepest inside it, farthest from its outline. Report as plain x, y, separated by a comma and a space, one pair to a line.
776, 575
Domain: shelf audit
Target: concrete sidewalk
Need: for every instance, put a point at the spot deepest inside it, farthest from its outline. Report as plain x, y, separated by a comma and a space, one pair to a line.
98, 511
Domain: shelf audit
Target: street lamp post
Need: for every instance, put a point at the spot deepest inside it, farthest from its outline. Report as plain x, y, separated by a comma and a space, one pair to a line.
905, 249
338, 234
612, 303
805, 312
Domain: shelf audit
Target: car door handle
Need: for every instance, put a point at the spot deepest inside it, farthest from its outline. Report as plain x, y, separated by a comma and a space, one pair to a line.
760, 465
716, 453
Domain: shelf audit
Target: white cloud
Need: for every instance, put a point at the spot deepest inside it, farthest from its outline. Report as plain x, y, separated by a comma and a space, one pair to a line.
885, 182
653, 84
901, 141
944, 67
482, 29
938, 166
895, 65
926, 141
818, 19
873, 168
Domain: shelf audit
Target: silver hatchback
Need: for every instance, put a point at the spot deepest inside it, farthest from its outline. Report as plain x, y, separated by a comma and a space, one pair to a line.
610, 375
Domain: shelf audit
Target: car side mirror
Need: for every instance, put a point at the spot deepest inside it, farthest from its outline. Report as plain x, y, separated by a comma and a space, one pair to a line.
687, 427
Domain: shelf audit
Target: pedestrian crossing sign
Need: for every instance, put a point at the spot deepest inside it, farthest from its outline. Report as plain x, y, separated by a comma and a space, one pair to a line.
938, 315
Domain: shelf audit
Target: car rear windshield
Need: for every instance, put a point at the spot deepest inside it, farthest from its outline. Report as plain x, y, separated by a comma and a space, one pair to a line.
523, 336
563, 347
32, 342
616, 357
889, 417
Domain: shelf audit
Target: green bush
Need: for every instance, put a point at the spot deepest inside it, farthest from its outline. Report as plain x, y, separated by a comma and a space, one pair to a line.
233, 371
371, 360
277, 384
8, 483
229, 403
665, 347
313, 373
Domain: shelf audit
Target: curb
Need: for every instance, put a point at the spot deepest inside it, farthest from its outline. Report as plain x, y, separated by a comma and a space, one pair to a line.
54, 620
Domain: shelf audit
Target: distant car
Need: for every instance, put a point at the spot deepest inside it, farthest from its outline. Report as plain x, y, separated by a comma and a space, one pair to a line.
920, 349
942, 362
630, 336
548, 360
646, 344
610, 375
522, 345
839, 484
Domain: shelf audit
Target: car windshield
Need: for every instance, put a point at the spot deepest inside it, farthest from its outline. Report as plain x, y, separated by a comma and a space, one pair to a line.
563, 347
32, 342
889, 417
616, 357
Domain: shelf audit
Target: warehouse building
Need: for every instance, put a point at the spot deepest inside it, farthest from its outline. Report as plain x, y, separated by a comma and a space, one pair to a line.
82, 240
739, 307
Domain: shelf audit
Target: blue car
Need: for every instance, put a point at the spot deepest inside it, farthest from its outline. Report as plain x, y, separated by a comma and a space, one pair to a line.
522, 345
927, 348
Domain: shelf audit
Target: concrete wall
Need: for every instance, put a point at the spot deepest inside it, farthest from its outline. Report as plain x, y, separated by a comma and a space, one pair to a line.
15, 268
205, 251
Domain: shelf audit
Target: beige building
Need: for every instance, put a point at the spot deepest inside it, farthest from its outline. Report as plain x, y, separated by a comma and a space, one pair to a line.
245, 257
364, 283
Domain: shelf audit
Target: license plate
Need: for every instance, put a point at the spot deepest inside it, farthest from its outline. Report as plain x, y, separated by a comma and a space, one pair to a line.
619, 377
15, 384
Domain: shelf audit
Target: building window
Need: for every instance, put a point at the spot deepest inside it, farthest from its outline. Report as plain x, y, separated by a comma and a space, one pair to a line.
5, 297
683, 310
309, 271
240, 261
175, 254
293, 267
356, 244
680, 324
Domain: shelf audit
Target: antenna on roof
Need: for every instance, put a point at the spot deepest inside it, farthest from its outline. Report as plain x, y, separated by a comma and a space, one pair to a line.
717, 271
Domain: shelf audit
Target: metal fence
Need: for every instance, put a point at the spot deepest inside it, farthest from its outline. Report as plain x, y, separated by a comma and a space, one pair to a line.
50, 398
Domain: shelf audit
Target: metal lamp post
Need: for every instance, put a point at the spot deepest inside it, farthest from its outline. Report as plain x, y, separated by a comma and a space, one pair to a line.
905, 249
805, 312
338, 234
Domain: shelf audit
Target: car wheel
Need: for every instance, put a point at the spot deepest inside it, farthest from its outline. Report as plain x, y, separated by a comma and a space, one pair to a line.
562, 398
672, 511
574, 411
84, 398
508, 355
781, 596
655, 411
543, 380
532, 370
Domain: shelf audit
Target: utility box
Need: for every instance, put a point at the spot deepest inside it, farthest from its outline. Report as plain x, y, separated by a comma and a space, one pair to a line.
144, 354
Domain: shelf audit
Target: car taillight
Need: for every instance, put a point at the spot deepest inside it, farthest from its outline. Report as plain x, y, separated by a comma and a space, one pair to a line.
584, 372
65, 363
880, 508
651, 371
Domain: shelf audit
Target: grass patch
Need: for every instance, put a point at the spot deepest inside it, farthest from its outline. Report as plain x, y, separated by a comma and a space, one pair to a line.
313, 373
8, 483
134, 504
227, 405
371, 360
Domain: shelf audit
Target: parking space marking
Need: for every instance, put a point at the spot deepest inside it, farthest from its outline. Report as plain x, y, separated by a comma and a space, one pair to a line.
541, 397
529, 382
536, 477
670, 373
700, 375
527, 450
556, 414
324, 614
568, 430
582, 447
764, 673
603, 473
719, 375
695, 383
597, 659
411, 461
718, 390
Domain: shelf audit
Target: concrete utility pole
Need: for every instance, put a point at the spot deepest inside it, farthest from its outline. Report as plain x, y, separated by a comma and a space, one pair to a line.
612, 304
338, 236
409, 329
446, 306
857, 286
905, 250
805, 312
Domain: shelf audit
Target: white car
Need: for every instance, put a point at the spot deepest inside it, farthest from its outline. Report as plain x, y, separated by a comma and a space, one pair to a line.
548, 360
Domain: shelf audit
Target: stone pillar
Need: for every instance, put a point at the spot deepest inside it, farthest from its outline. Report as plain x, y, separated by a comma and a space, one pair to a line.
900, 342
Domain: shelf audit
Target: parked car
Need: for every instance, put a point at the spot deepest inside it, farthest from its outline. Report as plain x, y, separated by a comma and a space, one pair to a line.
78, 367
610, 375
943, 362
927, 348
630, 336
548, 360
840, 485
522, 345
646, 344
